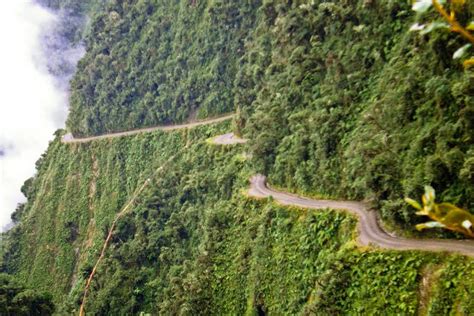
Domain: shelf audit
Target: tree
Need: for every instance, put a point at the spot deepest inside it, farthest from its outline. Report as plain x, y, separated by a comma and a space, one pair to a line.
17, 300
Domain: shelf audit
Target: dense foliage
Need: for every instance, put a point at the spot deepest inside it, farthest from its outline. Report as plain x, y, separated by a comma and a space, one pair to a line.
342, 100
195, 244
151, 62
17, 300
337, 99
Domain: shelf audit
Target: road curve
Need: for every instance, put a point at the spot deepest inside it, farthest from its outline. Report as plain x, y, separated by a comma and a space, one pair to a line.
228, 139
368, 227
69, 138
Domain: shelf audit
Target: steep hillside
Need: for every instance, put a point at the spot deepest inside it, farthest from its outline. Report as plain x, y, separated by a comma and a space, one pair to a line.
193, 243
154, 62
341, 100
336, 99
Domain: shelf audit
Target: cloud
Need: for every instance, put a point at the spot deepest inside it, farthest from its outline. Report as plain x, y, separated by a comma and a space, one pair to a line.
32, 103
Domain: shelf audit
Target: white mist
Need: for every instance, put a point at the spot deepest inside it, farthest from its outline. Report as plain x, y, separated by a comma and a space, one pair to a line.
32, 105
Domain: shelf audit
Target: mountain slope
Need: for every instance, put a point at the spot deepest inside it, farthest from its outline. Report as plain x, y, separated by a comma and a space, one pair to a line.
156, 62
340, 99
194, 244
336, 98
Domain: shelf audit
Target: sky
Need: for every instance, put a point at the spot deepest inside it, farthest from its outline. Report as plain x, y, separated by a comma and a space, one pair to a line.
32, 105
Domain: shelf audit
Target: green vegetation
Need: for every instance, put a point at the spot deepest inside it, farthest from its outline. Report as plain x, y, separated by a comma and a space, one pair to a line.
154, 62
342, 100
337, 98
449, 11
193, 243
17, 300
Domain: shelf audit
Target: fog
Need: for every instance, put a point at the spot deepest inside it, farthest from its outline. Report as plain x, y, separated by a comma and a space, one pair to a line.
33, 93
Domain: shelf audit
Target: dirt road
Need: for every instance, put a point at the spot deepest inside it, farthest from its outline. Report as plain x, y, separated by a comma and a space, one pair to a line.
368, 226
69, 138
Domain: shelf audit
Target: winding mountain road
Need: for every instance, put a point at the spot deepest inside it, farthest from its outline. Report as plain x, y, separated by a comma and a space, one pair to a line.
368, 226
370, 231
70, 139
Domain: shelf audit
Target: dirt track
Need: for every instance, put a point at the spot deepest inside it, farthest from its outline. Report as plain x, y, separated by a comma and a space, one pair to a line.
369, 229
69, 138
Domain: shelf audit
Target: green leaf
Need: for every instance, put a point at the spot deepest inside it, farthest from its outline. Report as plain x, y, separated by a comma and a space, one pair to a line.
429, 194
434, 26
461, 51
413, 203
470, 26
